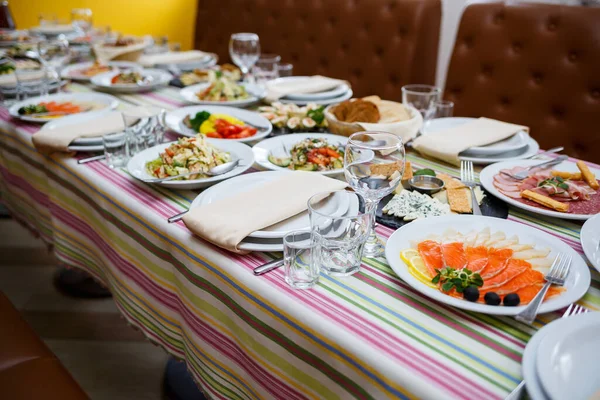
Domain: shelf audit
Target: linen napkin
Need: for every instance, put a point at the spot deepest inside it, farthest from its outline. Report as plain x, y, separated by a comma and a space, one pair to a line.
172, 57
313, 84
227, 222
48, 141
447, 144
107, 53
406, 130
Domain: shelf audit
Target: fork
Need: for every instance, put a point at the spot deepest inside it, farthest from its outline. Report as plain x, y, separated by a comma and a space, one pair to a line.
556, 276
519, 176
467, 176
573, 309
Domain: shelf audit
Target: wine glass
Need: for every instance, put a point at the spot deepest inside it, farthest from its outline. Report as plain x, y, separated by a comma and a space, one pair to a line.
373, 166
55, 54
244, 49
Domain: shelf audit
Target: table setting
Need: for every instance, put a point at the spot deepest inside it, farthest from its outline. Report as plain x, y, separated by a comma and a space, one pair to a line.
361, 246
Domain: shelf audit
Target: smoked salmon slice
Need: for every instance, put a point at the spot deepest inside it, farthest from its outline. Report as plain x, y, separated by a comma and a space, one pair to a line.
513, 269
454, 255
497, 262
527, 293
477, 258
431, 253
527, 278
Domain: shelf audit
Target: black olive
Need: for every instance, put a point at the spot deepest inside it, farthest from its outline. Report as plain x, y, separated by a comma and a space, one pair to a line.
512, 300
471, 293
491, 299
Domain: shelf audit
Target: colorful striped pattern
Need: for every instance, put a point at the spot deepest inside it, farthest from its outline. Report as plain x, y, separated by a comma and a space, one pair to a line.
369, 336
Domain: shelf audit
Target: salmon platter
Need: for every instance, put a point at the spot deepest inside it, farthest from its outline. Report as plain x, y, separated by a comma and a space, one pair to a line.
483, 264
568, 190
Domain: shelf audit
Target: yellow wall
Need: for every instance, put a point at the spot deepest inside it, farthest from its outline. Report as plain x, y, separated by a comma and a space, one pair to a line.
173, 18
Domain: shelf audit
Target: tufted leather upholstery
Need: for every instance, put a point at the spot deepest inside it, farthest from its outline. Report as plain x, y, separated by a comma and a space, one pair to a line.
378, 45
532, 64
28, 369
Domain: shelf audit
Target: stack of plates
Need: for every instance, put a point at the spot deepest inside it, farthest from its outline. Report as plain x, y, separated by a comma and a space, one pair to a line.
516, 147
560, 360
331, 96
269, 238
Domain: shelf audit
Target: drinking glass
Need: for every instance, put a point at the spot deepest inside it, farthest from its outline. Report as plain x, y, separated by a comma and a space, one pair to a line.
55, 55
266, 68
422, 97
301, 270
116, 149
244, 49
443, 109
340, 231
285, 70
373, 166
81, 19
32, 81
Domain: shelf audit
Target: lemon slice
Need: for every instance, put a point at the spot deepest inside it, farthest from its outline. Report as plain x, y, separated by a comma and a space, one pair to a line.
416, 266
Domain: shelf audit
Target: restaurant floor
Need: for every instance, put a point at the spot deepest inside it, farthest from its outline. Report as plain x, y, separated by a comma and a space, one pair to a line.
107, 357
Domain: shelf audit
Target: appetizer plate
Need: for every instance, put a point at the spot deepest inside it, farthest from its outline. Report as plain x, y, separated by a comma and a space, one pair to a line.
137, 165
70, 72
324, 102
327, 94
189, 94
533, 383
100, 100
205, 62
486, 178
513, 143
174, 120
157, 77
278, 144
590, 240
567, 356
576, 285
52, 30
529, 151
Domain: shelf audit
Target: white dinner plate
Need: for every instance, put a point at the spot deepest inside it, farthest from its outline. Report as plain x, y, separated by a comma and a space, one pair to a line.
189, 94
52, 30
530, 150
100, 100
324, 102
137, 164
70, 71
157, 77
514, 143
576, 285
275, 146
327, 94
486, 177
533, 385
205, 62
94, 148
174, 120
590, 240
567, 358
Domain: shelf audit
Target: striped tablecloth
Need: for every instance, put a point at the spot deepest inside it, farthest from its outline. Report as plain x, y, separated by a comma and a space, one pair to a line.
247, 337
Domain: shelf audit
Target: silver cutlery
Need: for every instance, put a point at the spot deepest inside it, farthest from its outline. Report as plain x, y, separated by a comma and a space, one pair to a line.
573, 309
550, 151
525, 173
176, 217
467, 176
556, 276
90, 159
215, 171
267, 267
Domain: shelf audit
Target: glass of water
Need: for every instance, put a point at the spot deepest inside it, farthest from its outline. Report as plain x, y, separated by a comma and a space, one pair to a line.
56, 55
266, 68
340, 231
81, 18
244, 49
116, 149
300, 267
423, 98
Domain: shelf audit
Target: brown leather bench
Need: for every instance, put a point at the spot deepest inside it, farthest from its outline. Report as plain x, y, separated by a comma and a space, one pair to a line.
28, 369
532, 64
377, 45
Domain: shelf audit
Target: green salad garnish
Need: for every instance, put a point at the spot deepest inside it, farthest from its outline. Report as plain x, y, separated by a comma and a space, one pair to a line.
424, 171
198, 120
460, 279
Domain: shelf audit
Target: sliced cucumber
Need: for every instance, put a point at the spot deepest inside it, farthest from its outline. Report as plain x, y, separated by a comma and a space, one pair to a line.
280, 161
337, 164
306, 167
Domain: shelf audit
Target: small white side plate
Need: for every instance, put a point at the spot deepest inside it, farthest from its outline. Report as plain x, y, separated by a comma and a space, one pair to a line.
590, 240
158, 78
189, 94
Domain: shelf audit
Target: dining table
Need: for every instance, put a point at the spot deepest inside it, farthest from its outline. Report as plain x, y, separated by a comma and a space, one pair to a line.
368, 336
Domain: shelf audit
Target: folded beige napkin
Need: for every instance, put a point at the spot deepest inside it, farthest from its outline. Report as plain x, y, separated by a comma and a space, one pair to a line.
178, 57
313, 84
127, 53
227, 222
406, 130
49, 141
447, 144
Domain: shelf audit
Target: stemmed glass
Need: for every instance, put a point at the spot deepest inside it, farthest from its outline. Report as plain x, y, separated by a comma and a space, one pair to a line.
244, 49
373, 166
54, 54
